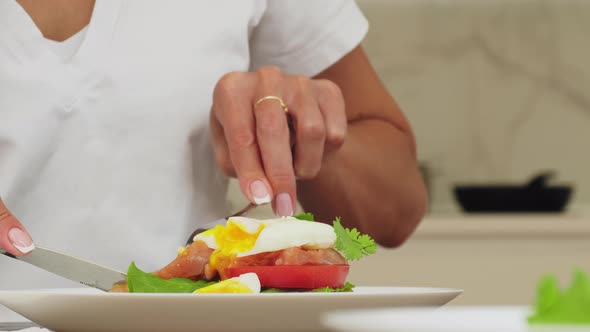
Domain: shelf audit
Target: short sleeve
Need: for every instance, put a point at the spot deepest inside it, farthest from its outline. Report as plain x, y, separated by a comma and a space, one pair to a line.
306, 36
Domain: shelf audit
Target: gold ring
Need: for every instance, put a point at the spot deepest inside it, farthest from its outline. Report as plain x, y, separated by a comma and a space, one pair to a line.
273, 98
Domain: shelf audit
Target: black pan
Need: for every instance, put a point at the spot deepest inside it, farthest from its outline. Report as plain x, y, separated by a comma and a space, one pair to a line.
534, 196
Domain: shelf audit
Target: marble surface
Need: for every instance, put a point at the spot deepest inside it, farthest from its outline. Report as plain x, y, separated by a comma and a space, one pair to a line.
495, 90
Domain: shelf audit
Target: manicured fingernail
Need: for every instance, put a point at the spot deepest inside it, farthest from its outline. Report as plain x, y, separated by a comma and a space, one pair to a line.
284, 205
21, 240
259, 192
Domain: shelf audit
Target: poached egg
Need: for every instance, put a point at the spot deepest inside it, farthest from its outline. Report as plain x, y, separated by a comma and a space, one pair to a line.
243, 236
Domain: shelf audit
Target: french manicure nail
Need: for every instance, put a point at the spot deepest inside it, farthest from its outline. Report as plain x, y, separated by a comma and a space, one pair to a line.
21, 240
259, 192
284, 205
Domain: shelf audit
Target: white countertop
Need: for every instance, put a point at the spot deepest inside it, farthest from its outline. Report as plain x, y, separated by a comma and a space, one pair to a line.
504, 225
447, 319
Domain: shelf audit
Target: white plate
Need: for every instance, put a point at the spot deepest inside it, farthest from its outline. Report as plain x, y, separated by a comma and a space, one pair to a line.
447, 319
90, 310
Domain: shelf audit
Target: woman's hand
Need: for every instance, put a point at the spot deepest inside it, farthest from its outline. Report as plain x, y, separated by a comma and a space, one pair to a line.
252, 139
13, 237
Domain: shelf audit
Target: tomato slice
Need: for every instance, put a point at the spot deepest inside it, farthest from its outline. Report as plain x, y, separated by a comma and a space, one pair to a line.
295, 276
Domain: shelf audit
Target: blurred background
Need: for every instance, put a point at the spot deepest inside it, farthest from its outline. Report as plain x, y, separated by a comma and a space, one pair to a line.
496, 90
498, 93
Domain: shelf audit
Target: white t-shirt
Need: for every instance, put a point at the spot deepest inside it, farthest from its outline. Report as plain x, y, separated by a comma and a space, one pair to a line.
66, 49
105, 154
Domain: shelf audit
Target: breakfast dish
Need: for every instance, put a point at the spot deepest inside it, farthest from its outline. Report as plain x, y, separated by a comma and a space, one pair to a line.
251, 256
255, 272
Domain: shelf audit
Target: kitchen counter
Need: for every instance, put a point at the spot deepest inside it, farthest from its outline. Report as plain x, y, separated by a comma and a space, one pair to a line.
496, 259
455, 319
494, 226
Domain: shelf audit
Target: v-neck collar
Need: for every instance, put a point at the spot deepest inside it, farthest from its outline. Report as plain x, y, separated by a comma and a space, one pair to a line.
20, 32
100, 30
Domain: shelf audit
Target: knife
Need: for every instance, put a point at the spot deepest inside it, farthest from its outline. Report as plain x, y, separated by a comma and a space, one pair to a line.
72, 268
16, 326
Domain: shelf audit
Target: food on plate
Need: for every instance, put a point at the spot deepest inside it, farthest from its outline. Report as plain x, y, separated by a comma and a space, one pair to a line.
554, 306
249, 255
244, 283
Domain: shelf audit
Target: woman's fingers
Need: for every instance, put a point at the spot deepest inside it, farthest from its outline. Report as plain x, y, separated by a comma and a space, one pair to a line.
13, 237
252, 139
272, 134
332, 107
309, 126
238, 151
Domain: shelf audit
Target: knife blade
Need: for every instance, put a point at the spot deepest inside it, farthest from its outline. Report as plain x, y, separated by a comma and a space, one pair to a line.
69, 267
16, 326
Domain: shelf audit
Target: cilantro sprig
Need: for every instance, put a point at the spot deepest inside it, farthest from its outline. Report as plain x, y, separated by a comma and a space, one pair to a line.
352, 243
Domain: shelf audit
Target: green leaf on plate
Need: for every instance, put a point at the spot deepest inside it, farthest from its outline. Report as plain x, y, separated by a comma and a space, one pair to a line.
143, 282
346, 288
304, 216
571, 306
272, 290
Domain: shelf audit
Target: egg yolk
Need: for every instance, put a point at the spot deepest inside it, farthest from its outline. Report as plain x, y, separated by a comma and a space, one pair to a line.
231, 240
225, 286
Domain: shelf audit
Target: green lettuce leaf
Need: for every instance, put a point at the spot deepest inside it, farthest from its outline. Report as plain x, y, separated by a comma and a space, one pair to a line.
143, 282
273, 290
347, 288
304, 216
571, 306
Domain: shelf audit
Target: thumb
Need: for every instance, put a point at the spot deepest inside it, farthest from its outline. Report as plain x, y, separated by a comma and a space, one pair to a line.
13, 237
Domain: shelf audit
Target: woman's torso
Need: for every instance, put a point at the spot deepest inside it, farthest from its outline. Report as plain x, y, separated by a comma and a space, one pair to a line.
106, 154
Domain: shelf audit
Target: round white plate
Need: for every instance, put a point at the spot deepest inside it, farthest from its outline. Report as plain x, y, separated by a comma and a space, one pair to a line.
90, 310
447, 319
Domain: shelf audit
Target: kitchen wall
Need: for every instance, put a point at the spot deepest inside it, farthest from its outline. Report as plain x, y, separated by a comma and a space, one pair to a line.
495, 90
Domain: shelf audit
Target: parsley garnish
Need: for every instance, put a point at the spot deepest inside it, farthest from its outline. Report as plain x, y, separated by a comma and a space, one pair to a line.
352, 243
